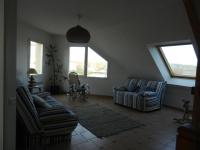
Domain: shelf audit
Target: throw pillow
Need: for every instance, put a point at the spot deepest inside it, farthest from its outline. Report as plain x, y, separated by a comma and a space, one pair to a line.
40, 102
132, 85
151, 86
140, 86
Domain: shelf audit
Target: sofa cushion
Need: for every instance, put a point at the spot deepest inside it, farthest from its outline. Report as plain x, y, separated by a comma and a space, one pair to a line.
126, 83
140, 86
132, 85
40, 102
151, 86
53, 102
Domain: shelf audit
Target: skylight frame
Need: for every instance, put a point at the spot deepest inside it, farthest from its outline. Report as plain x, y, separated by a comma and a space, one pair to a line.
167, 64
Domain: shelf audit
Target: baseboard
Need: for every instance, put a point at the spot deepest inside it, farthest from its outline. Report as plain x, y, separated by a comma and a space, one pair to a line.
176, 108
104, 96
173, 107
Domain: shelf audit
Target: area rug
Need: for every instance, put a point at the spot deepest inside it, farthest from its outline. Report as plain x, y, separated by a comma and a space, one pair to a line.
102, 121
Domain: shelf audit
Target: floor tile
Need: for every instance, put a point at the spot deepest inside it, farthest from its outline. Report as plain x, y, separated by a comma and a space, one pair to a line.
159, 132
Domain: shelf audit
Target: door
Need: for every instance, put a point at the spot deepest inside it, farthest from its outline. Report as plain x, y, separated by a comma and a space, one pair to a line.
1, 71
7, 72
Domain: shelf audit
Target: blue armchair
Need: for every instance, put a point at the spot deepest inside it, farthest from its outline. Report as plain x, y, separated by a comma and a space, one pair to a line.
42, 120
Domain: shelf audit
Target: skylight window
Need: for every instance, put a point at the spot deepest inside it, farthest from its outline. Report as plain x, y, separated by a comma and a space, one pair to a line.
181, 60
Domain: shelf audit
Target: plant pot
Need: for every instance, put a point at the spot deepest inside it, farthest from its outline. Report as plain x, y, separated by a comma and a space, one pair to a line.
55, 89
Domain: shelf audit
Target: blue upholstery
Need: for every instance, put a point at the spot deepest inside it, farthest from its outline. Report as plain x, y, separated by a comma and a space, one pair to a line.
132, 86
45, 123
140, 94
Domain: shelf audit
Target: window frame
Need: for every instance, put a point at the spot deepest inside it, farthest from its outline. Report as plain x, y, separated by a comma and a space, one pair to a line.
86, 62
29, 53
167, 65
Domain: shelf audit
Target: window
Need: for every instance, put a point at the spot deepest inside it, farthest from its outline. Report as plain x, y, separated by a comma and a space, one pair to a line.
85, 61
97, 66
181, 60
77, 60
36, 56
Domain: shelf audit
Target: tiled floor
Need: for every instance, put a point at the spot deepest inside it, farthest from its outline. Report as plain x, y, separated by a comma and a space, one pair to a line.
159, 132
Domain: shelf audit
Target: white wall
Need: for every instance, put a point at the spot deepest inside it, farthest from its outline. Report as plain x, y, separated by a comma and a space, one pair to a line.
99, 86
117, 75
125, 45
1, 71
126, 42
25, 33
175, 94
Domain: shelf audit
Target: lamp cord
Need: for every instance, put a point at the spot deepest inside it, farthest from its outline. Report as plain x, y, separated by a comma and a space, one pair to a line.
79, 18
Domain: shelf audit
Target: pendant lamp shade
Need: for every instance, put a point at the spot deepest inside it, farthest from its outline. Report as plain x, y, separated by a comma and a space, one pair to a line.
78, 34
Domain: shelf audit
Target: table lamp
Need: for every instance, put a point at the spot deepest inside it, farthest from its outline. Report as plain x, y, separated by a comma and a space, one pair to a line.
31, 72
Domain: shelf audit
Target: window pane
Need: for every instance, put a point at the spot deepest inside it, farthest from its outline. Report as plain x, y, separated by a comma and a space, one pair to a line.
36, 56
97, 66
77, 60
181, 60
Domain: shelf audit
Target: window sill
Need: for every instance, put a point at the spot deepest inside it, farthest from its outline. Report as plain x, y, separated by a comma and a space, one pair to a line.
93, 77
97, 77
181, 82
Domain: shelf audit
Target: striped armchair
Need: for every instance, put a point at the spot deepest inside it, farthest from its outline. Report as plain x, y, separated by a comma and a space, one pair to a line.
140, 94
42, 120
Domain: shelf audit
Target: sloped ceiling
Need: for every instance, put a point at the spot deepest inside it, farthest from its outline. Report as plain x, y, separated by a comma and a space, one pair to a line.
122, 29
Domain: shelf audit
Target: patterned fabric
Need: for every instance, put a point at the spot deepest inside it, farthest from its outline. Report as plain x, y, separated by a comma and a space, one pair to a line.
147, 95
151, 86
40, 102
58, 117
132, 85
27, 109
141, 85
43, 94
45, 124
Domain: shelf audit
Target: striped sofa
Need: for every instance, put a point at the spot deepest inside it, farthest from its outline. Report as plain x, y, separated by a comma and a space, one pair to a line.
140, 94
42, 120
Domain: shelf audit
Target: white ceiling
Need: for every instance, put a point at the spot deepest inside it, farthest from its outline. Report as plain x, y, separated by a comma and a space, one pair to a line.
56, 16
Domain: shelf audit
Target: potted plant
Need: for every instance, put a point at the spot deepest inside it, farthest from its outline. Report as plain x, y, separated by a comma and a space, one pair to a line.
56, 69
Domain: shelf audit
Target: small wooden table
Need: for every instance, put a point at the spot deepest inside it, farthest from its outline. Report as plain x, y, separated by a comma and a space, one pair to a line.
38, 87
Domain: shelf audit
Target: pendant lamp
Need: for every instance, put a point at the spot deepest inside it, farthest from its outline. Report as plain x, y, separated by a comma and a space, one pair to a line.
78, 34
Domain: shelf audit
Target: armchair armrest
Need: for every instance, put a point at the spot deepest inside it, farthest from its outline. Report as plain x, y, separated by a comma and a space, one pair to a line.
85, 86
53, 111
149, 94
60, 115
43, 94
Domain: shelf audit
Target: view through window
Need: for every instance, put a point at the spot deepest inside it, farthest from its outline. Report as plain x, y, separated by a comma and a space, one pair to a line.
181, 60
36, 56
77, 60
85, 61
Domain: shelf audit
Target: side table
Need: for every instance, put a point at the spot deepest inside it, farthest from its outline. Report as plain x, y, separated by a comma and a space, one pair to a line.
37, 87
